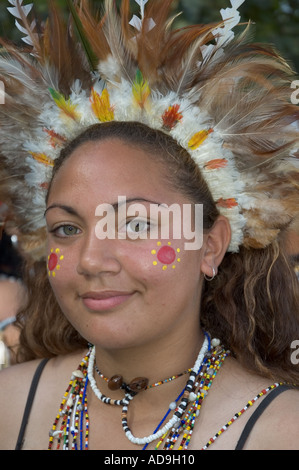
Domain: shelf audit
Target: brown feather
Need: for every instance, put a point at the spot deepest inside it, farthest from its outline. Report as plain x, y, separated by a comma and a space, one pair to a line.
63, 54
93, 28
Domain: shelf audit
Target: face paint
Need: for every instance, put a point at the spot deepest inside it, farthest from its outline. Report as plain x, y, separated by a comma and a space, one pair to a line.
53, 262
166, 255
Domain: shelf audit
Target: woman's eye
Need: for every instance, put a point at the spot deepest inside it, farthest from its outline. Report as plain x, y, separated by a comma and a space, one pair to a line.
137, 226
66, 231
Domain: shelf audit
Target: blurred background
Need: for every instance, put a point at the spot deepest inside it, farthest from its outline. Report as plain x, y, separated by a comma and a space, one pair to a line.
276, 21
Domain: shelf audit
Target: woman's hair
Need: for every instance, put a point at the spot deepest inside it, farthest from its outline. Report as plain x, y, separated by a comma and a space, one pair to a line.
252, 305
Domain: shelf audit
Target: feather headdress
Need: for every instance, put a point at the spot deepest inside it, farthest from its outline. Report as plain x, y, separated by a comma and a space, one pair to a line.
225, 100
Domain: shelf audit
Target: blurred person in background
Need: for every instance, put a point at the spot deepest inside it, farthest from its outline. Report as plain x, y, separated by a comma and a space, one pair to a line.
12, 295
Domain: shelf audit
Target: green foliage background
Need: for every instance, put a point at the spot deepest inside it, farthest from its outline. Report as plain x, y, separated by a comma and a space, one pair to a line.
275, 21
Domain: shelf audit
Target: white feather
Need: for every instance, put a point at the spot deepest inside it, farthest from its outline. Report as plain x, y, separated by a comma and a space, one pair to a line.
231, 18
142, 4
15, 11
15, 70
26, 9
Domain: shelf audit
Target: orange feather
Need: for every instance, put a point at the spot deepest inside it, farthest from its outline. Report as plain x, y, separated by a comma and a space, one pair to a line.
216, 164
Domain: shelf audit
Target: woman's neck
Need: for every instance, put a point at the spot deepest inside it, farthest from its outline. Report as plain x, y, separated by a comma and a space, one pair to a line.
155, 362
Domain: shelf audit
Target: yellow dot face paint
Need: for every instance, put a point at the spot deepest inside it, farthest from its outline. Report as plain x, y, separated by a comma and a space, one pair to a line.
166, 255
54, 258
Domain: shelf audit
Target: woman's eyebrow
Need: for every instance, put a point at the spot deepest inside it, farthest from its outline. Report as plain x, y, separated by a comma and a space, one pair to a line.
137, 199
70, 210
63, 207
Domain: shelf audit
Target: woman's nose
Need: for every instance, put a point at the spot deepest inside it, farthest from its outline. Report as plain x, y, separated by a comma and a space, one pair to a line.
98, 257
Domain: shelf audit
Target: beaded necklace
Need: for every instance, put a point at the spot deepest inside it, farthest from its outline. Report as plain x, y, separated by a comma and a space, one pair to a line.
70, 430
72, 421
72, 413
237, 415
125, 402
184, 428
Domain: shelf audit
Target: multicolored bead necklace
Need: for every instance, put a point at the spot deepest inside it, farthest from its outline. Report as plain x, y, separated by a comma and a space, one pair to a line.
184, 429
72, 416
72, 420
70, 430
125, 402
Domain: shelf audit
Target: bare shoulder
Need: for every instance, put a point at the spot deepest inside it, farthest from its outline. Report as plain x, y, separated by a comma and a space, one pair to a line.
278, 426
15, 383
15, 378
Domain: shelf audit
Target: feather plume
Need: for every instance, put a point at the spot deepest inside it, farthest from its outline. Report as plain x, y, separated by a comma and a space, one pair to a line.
115, 37
28, 27
42, 158
216, 164
141, 90
101, 106
66, 106
83, 38
221, 97
142, 4
150, 41
93, 30
171, 117
199, 138
63, 54
227, 203
55, 138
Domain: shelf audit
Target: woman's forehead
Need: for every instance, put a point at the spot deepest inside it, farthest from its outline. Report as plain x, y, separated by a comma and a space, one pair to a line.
110, 152
111, 168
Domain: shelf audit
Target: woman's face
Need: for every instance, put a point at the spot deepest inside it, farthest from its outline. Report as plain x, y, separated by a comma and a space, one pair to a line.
119, 291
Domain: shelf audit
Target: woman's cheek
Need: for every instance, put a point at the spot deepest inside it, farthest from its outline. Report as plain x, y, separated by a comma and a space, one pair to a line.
166, 256
61, 271
55, 262
157, 261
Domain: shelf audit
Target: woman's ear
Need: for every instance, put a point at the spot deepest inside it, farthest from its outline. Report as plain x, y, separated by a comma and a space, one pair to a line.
215, 245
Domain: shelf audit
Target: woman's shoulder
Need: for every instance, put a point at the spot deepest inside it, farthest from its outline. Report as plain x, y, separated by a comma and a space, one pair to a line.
15, 383
278, 426
277, 418
270, 414
16, 379
22, 374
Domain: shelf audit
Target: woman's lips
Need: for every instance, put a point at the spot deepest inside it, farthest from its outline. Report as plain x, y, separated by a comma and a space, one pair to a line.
100, 301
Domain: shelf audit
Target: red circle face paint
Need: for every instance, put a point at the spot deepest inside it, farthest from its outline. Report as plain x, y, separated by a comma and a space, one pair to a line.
52, 262
166, 255
54, 259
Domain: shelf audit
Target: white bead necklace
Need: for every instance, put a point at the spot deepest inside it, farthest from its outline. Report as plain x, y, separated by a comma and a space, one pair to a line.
126, 401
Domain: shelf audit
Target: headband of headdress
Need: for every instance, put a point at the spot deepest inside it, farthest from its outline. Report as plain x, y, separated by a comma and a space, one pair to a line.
225, 100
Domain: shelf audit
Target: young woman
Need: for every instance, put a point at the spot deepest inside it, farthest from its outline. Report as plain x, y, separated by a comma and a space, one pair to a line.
154, 342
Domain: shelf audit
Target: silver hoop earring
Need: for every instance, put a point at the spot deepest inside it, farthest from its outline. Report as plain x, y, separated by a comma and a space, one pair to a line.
209, 279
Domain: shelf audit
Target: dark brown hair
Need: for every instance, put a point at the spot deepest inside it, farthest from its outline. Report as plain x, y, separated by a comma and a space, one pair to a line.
252, 305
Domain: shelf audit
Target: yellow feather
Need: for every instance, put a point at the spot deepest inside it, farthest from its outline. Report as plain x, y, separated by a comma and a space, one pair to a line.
101, 106
42, 158
141, 90
198, 139
66, 106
